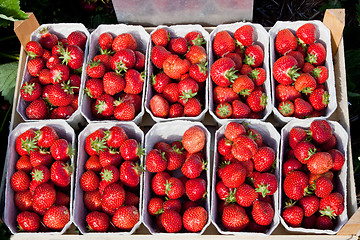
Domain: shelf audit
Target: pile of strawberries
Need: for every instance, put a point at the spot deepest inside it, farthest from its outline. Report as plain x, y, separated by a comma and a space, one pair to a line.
238, 75
245, 180
42, 180
116, 78
300, 73
179, 75
111, 181
178, 183
310, 170
55, 68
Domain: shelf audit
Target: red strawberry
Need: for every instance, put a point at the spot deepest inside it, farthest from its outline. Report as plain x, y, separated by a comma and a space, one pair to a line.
104, 105
52, 62
320, 163
224, 146
160, 37
285, 70
28, 221
323, 187
193, 166
291, 165
61, 173
62, 199
73, 57
30, 91
37, 110
240, 109
26, 142
160, 81
95, 142
158, 183
195, 188
115, 136
194, 139
302, 108
34, 66
223, 71
126, 217
224, 94
89, 181
109, 174
174, 66
297, 135
77, 38
174, 188
223, 110
171, 92
306, 33
338, 159
303, 151
24, 200
61, 150
98, 221
321, 131
264, 159
158, 55
40, 174
286, 108
254, 56
223, 43
159, 106
319, 99
134, 99
95, 69
131, 150
320, 73
284, 93
266, 184
93, 200
199, 72
155, 206
196, 54
244, 35
171, 221
44, 196
194, 38
332, 205
123, 60
113, 197
34, 49
192, 108
233, 130
295, 185
41, 157
134, 81
61, 94
57, 217
130, 173
245, 195
188, 88
105, 59
316, 54
243, 85
307, 68
298, 56
258, 75
94, 87
262, 213
257, 101
233, 175
125, 111
59, 73
285, 41
313, 177
93, 164
24, 164
244, 148
234, 218
124, 41
140, 61
46, 55
293, 216
195, 218
44, 76
310, 205
176, 110
105, 40
305, 83
20, 181
62, 112
236, 58
324, 223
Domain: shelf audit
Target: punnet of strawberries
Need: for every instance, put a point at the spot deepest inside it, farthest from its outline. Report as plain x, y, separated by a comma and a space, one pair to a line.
54, 66
177, 171
42, 180
238, 74
246, 182
115, 77
179, 74
300, 73
111, 180
311, 164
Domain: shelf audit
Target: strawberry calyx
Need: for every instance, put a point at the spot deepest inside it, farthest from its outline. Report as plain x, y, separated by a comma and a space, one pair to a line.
106, 51
31, 54
67, 87
139, 168
328, 212
224, 164
153, 79
311, 58
143, 75
204, 167
308, 191
241, 46
37, 175
70, 151
302, 43
29, 145
308, 135
78, 71
245, 92
113, 150
168, 186
140, 151
310, 153
98, 144
203, 67
65, 55
68, 169
176, 149
107, 175
253, 136
94, 63
316, 72
263, 100
223, 110
198, 41
286, 108
101, 106
230, 74
307, 90
44, 30
118, 102
121, 67
28, 88
186, 95
160, 211
254, 74
263, 189
231, 198
249, 60
293, 72
87, 91
326, 98
289, 203
58, 76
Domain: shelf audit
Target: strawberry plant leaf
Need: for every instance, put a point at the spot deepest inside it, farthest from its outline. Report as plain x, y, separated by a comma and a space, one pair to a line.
10, 12
8, 73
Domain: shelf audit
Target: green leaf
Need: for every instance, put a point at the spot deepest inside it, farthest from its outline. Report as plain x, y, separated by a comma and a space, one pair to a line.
353, 94
8, 72
10, 12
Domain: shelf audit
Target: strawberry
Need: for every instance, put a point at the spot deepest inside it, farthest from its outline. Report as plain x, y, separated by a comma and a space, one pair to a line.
332, 205
98, 221
175, 158
40, 174
316, 54
285, 70
126, 217
115, 136
295, 185
223, 71
62, 199
59, 73
160, 37
196, 55
262, 213
286, 108
321, 131
24, 164
113, 197
158, 183
192, 108
320, 163
243, 85
160, 81
297, 135
140, 61
104, 105
171, 221
320, 73
223, 110
338, 159
223, 43
95, 69
310, 205
323, 187
93, 164
254, 56
240, 109
134, 99
105, 40
298, 56
266, 184
61, 150
61, 173
224, 94
319, 99
303, 151
257, 101
56, 217
234, 218
44, 196
28, 221
94, 87
306, 33
293, 216
24, 200
95, 142
26, 142
305, 83
245, 70
285, 41
286, 92
245, 195
131, 150
174, 66
46, 55
244, 148
188, 88
302, 108
224, 146
37, 110
34, 66
176, 110
109, 174
194, 139
195, 188
124, 41
195, 218
105, 59
123, 60
258, 75
313, 177
158, 55
134, 81
77, 38
244, 36
159, 106
291, 165
34, 49
61, 94
20, 181
73, 57
264, 159
236, 58
224, 193
329, 144
92, 200
233, 175
41, 157
44, 76
131, 199
30, 91
62, 112
255, 135
89, 181
174, 188
125, 111
130, 173
52, 62
324, 223
171, 92
308, 68
233, 130
194, 38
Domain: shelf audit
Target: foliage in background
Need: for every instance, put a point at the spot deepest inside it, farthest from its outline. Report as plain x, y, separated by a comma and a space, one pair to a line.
10, 12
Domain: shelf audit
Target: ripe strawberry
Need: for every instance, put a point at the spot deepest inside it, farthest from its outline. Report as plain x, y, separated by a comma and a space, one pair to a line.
244, 36
34, 49
62, 199
26, 142
285, 70
155, 206
244, 148
324, 223
285, 41
224, 146
295, 185
158, 183
319, 99
223, 71
93, 200
24, 164
258, 75
257, 101
305, 83
131, 150
245, 195
266, 184
98, 221
93, 164
193, 166
140, 61
313, 177
56, 217
134, 81
28, 221
262, 213
243, 85
46, 55
124, 41
174, 66
321, 131
196, 55
59, 73
188, 88
52, 62
302, 108
95, 69
195, 188
123, 60
298, 56
159, 106
303, 151
46, 137
194, 139
323, 187
306, 33
224, 94
320, 163
174, 188
95, 142
236, 58
291, 165
223, 43
61, 150
233, 175
254, 56
176, 110
20, 181
77, 38
316, 54
310, 205
192, 107
199, 72
24, 200
109, 156
73, 57
131, 199
293, 216
297, 135
329, 144
286, 108
233, 130
30, 91
264, 159
41, 157
240, 109
284, 93
37, 110
307, 68
125, 111
115, 136
113, 197
89, 181
44, 196
320, 73
158, 55
61, 173
171, 92
234, 218
332, 205
160, 37
104, 105
171, 221
195, 218
105, 59
109, 174
62, 112
126, 217
130, 173
194, 38
40, 174
338, 159
44, 76
160, 81
61, 94
34, 66
94, 87
105, 40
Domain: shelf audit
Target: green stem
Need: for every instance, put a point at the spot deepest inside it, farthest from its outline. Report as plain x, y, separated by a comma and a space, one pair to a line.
6, 115
9, 56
